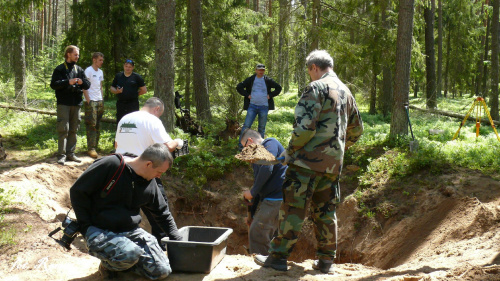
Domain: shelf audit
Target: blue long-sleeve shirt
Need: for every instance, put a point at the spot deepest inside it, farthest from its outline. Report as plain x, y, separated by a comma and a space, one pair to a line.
269, 179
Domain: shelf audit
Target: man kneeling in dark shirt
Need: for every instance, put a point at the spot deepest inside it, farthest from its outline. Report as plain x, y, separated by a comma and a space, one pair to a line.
109, 217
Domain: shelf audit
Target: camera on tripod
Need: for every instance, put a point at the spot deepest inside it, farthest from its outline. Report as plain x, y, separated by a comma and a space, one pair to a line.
71, 229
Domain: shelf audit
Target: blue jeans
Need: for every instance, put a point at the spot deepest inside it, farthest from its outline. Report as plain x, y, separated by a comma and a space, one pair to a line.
252, 112
134, 250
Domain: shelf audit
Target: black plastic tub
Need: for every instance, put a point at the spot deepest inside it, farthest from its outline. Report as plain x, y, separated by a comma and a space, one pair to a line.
201, 248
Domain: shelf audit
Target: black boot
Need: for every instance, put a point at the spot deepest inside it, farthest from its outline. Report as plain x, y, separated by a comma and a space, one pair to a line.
324, 266
274, 261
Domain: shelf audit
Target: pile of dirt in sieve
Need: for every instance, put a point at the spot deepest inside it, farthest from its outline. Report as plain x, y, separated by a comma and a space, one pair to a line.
255, 152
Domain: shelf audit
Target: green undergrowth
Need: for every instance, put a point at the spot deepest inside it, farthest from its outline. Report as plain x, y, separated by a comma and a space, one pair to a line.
7, 234
391, 177
381, 161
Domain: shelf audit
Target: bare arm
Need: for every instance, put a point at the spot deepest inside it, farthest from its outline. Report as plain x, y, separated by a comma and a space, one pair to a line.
116, 91
142, 90
172, 145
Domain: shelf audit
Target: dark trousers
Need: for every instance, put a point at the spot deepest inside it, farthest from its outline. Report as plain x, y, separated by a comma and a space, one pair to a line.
125, 107
68, 123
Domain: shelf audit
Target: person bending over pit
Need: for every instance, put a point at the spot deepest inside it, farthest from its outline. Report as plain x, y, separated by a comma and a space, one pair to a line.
268, 180
110, 223
138, 130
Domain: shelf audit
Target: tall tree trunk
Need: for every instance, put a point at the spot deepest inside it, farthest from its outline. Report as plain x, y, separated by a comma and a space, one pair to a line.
375, 64
187, 87
486, 51
49, 19
494, 60
302, 54
256, 36
42, 29
430, 60
199, 75
439, 86
373, 91
20, 66
270, 50
118, 39
479, 76
447, 67
282, 40
387, 69
75, 2
165, 59
54, 18
399, 123
65, 15
316, 11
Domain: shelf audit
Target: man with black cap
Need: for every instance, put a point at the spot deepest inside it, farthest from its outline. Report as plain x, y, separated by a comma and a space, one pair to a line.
128, 86
258, 94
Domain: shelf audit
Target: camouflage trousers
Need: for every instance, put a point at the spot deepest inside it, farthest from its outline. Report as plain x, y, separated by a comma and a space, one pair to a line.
93, 115
305, 190
136, 251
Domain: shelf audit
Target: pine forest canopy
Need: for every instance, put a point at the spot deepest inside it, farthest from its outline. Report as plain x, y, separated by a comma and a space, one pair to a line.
211, 45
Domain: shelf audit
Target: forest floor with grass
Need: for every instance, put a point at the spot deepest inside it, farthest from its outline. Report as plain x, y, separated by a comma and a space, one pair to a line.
433, 214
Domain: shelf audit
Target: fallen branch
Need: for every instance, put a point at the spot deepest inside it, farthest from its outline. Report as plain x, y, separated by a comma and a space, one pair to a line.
454, 115
53, 113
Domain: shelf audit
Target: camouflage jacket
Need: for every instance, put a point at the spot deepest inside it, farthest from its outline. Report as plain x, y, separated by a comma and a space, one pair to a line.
327, 122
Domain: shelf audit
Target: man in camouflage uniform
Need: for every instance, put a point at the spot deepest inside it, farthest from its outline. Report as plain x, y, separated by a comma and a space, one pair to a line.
327, 122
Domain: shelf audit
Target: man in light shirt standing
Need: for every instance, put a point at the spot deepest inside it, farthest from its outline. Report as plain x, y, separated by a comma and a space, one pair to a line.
94, 106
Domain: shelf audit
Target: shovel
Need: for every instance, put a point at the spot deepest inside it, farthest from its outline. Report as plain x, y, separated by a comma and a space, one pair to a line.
267, 162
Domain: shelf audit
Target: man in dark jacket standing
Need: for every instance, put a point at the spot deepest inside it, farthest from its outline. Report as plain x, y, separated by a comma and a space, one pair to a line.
69, 81
109, 217
258, 92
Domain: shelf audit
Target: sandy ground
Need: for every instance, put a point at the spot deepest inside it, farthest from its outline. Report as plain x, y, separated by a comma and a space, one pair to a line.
452, 233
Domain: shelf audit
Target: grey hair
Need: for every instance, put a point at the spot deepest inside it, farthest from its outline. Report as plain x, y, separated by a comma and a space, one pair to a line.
249, 133
158, 154
154, 102
320, 58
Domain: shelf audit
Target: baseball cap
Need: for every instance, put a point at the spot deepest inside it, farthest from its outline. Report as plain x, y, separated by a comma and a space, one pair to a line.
129, 61
260, 66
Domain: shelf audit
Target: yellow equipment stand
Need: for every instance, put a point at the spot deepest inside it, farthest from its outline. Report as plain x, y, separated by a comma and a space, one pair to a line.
477, 105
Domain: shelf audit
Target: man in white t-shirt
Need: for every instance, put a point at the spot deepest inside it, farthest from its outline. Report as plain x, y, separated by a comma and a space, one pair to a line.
94, 107
138, 130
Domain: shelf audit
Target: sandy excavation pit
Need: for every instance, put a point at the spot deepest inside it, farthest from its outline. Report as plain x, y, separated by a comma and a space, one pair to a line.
451, 233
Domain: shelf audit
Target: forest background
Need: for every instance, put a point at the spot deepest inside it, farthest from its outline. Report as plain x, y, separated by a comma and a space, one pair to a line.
383, 49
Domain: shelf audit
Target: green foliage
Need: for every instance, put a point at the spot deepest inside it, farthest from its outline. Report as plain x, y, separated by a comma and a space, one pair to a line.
208, 160
7, 236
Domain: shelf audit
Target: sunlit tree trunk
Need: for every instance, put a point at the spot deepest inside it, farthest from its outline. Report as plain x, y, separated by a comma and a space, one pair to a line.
439, 85
165, 58
20, 66
399, 123
387, 86
430, 60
